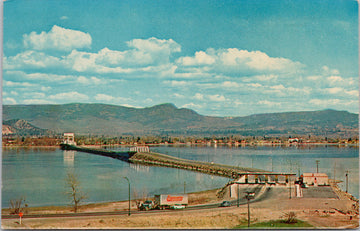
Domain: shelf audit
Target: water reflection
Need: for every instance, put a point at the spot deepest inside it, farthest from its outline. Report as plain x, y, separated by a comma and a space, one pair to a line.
69, 157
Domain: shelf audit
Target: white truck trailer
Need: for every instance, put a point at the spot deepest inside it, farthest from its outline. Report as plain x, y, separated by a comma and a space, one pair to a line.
165, 201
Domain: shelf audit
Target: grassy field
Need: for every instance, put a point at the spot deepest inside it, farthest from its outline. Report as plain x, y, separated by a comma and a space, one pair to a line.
275, 224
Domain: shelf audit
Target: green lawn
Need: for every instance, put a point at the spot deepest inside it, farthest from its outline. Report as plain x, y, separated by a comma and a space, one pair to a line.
274, 224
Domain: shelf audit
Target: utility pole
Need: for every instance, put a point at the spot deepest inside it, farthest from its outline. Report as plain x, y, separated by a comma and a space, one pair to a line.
289, 186
238, 196
129, 192
249, 195
347, 182
334, 172
317, 166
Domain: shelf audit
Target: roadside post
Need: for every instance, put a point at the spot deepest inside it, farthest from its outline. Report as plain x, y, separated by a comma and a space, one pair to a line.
129, 193
347, 180
20, 215
249, 196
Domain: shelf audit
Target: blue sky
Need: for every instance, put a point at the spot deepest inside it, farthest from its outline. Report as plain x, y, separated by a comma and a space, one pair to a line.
219, 58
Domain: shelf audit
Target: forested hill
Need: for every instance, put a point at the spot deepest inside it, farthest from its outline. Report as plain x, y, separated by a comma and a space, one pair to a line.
166, 119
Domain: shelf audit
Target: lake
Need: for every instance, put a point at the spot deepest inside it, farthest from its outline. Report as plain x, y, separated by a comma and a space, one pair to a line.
39, 174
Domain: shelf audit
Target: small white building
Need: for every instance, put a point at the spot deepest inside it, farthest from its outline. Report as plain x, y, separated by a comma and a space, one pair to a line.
315, 179
69, 138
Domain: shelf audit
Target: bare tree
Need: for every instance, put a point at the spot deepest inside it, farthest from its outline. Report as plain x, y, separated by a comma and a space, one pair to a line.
74, 192
139, 196
16, 205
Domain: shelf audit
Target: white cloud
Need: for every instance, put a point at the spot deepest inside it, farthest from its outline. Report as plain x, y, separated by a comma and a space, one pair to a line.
9, 100
36, 101
145, 55
176, 83
325, 102
268, 103
49, 77
278, 87
256, 85
314, 77
17, 84
64, 17
327, 71
57, 38
179, 96
103, 97
238, 102
217, 98
14, 93
334, 90
201, 58
69, 96
353, 93
192, 106
91, 80
230, 84
34, 95
112, 99
155, 45
269, 77
199, 96
43, 88
31, 59
237, 62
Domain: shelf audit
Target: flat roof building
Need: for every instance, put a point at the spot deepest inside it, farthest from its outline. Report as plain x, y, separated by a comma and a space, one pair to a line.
315, 179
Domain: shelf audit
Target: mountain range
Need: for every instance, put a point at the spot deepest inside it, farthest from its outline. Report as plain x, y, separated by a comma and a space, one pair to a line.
167, 119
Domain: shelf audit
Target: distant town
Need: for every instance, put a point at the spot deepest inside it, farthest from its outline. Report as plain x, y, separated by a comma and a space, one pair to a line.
14, 140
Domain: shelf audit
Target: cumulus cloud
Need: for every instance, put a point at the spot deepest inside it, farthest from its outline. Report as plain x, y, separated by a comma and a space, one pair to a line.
238, 62
36, 101
32, 60
268, 103
144, 55
69, 96
57, 38
91, 80
217, 98
175, 83
200, 58
325, 102
199, 96
192, 106
112, 99
9, 100
17, 84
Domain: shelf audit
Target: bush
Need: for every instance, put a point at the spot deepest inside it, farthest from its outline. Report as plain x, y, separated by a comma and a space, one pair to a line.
289, 218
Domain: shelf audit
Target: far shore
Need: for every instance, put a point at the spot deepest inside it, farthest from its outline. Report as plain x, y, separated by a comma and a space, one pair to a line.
192, 144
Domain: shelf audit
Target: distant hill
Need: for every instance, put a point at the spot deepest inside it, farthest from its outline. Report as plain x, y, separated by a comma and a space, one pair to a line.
166, 119
22, 127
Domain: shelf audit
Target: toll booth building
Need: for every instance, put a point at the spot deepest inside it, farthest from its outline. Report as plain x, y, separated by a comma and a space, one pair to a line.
315, 179
69, 138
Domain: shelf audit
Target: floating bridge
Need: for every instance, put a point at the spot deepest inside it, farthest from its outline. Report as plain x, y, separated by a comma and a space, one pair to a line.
142, 155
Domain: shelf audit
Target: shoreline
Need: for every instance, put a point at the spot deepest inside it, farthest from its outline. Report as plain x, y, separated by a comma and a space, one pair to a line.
193, 144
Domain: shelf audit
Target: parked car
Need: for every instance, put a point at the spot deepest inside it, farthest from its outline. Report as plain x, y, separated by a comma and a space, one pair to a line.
177, 206
225, 204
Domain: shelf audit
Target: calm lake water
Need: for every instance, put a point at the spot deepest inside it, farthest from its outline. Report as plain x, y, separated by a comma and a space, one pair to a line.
39, 174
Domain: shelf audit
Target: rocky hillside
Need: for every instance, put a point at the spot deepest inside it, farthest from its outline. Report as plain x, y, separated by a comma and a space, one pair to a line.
22, 127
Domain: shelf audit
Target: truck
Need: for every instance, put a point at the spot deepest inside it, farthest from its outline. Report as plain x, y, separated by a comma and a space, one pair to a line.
171, 201
147, 205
